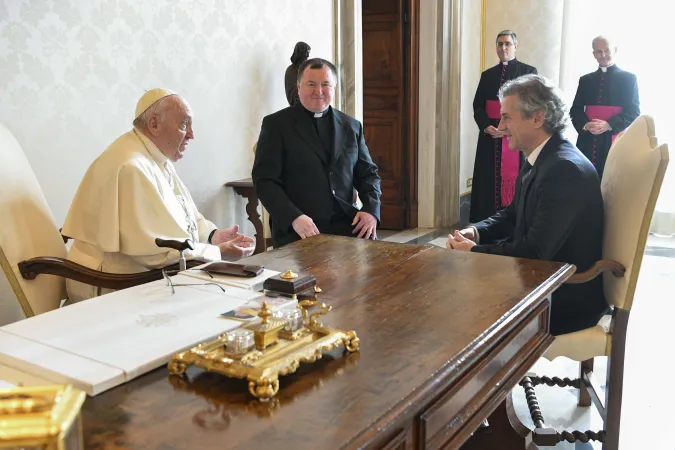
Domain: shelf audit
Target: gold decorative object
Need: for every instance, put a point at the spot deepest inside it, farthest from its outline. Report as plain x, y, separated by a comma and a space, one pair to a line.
44, 417
278, 352
266, 332
317, 289
289, 275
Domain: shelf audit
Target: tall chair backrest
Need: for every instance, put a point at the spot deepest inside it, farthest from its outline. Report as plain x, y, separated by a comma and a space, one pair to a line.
27, 229
631, 184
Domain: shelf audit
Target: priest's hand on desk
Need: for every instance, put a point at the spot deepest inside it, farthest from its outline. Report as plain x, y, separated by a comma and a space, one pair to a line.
237, 248
459, 241
304, 226
366, 224
227, 234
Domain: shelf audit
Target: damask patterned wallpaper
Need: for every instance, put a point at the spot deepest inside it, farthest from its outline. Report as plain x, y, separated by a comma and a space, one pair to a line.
539, 29
71, 72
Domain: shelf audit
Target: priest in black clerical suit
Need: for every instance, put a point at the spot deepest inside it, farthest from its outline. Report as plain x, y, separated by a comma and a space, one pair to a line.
309, 159
606, 103
493, 178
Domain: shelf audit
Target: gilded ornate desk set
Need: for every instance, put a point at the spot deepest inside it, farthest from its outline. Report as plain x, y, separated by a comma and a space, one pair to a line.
275, 346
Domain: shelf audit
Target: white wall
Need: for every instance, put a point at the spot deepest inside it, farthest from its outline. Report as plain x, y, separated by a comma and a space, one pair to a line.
471, 65
538, 26
71, 72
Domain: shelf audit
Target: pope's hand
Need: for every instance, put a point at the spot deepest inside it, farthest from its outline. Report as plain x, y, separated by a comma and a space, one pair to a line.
236, 248
304, 226
228, 234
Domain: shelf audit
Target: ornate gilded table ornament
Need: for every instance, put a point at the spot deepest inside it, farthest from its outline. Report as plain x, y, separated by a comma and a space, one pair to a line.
281, 343
41, 417
289, 275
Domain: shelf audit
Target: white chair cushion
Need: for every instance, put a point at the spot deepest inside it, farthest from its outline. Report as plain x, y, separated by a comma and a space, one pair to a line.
584, 344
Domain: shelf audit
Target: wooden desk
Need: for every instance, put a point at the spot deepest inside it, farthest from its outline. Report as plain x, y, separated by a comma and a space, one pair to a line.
245, 189
444, 337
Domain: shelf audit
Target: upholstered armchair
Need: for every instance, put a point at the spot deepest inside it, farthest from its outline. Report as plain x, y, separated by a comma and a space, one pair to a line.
630, 186
31, 244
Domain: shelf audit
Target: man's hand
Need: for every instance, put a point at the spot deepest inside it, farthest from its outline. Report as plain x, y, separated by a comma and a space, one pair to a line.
597, 126
236, 248
494, 132
469, 233
458, 241
227, 234
366, 224
304, 226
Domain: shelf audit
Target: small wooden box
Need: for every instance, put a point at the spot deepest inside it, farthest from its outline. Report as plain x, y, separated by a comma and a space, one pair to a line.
290, 286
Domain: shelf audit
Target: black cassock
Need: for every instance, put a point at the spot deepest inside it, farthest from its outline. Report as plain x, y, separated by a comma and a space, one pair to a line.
616, 87
486, 186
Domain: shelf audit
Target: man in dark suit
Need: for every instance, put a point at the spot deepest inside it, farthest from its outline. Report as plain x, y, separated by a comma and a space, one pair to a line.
606, 103
557, 213
496, 166
309, 160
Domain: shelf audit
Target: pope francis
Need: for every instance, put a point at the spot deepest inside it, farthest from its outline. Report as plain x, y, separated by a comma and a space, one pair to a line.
131, 195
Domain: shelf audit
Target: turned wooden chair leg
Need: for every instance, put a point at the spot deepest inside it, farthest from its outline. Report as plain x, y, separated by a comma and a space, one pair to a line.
584, 396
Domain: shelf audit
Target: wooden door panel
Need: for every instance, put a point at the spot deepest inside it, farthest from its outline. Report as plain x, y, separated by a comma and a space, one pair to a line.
382, 137
383, 103
382, 68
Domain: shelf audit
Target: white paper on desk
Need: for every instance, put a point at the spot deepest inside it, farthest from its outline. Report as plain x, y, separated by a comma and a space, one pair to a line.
253, 283
104, 341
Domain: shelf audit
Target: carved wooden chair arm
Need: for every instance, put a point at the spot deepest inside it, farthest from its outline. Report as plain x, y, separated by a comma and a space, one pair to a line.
49, 265
604, 265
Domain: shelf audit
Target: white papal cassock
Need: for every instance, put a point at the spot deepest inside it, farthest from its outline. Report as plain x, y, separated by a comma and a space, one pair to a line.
131, 195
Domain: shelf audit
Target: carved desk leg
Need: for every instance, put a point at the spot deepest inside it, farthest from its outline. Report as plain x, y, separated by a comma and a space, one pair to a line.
507, 429
253, 216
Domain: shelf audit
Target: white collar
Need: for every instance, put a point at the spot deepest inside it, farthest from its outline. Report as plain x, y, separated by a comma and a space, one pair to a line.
604, 69
535, 153
156, 154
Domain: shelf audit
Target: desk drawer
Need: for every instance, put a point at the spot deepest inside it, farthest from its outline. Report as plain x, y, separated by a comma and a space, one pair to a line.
448, 419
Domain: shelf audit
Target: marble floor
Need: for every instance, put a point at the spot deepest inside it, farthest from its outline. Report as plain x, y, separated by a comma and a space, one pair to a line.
648, 403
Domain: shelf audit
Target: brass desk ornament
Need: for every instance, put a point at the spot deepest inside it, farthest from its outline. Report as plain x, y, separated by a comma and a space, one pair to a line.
41, 417
280, 346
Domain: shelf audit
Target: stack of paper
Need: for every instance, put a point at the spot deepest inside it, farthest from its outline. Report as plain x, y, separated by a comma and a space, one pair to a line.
105, 341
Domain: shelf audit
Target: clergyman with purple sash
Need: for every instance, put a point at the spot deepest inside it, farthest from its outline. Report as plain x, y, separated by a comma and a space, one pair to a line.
606, 103
496, 165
